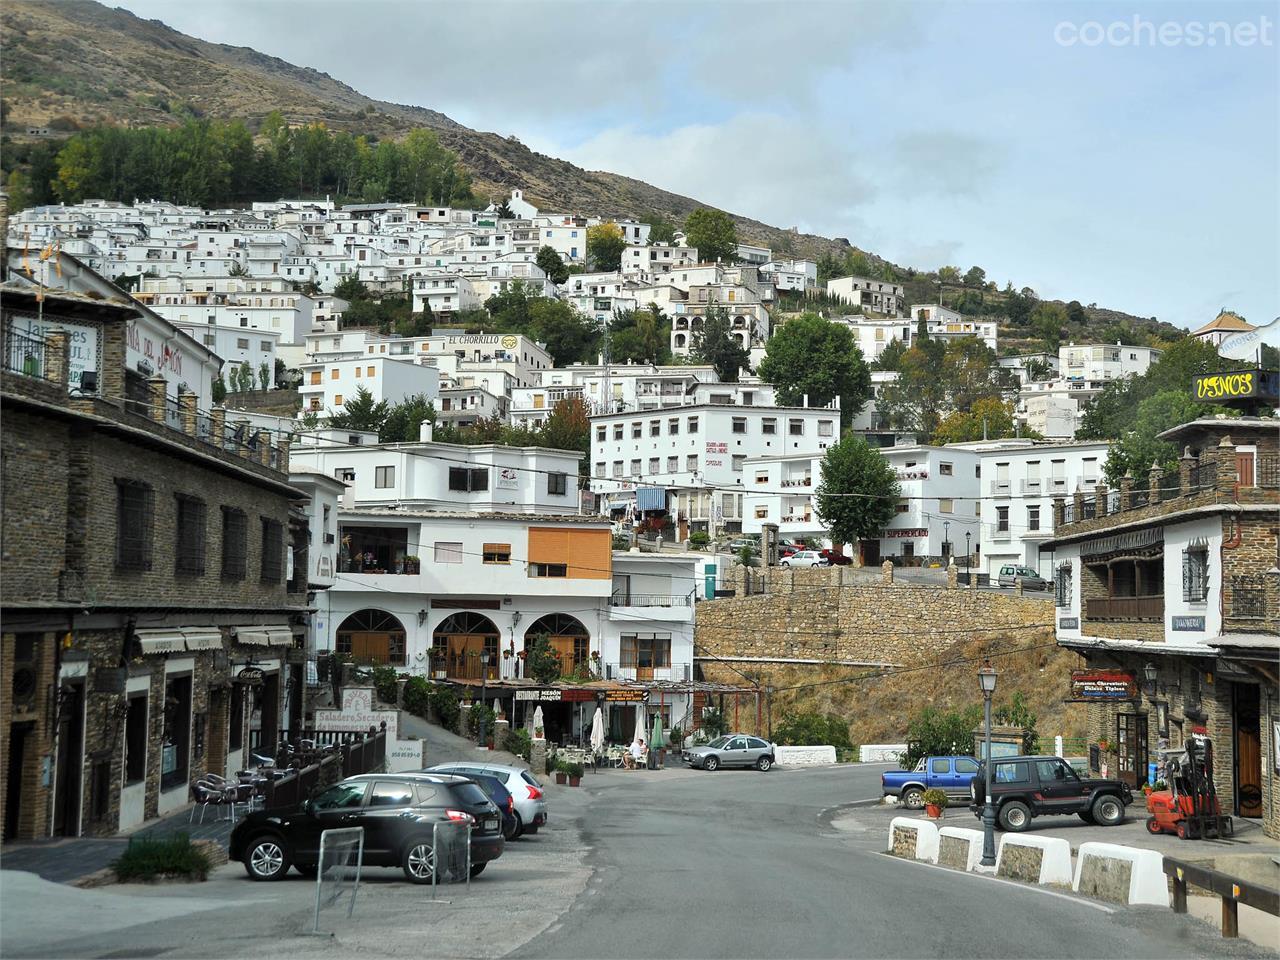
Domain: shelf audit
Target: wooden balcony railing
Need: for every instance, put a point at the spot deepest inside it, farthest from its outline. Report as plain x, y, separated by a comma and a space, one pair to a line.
1124, 608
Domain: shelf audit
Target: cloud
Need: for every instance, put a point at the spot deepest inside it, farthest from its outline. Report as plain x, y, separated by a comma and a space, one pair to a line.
944, 162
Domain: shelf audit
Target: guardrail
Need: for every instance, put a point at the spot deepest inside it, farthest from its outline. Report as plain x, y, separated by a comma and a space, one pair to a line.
1232, 890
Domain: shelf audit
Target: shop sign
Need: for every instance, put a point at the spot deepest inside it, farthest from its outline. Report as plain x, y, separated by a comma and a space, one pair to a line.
1092, 685
508, 478
627, 696
904, 534
546, 696
253, 676
1188, 623
577, 696
1069, 623
1238, 385
717, 446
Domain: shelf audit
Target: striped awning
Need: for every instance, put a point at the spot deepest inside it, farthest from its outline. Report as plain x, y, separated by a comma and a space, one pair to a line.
651, 498
164, 640
1129, 540
202, 638
264, 635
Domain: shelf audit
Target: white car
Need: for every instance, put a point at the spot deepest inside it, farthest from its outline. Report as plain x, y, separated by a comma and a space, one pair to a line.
805, 558
530, 802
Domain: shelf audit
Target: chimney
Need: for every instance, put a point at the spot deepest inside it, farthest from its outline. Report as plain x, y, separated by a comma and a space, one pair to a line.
425, 431
806, 400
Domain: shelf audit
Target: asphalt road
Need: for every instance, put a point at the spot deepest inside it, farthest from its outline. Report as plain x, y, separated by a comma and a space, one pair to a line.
743, 864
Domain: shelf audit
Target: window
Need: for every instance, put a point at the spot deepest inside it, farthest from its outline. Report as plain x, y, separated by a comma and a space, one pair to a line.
602, 434
496, 553
387, 793
655, 428
1033, 518
646, 650
448, 552
617, 468
691, 463
762, 476
636, 431
315, 376
370, 371
337, 400
135, 740
825, 428
333, 374
384, 477
673, 464
965, 765
600, 468
795, 428
738, 460
341, 796
242, 343
673, 426
558, 484
1062, 585
1002, 519
469, 479
946, 506
940, 765
617, 431
265, 345
235, 535
654, 465
190, 546
693, 425
1195, 574
901, 506
134, 515
944, 469
635, 468
548, 570
769, 425
739, 424
762, 513
1019, 772
345, 474
272, 550
1051, 770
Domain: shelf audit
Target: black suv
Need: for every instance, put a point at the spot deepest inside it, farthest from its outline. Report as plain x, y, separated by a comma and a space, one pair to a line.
1027, 787
397, 811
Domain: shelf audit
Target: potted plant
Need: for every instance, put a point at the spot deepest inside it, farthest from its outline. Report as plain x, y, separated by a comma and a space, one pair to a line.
935, 801
575, 771
562, 772
412, 564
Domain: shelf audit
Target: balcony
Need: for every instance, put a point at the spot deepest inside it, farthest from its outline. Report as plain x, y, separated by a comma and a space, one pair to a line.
627, 599
1125, 608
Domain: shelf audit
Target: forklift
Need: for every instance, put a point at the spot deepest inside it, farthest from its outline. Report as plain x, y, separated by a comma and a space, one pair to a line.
1189, 808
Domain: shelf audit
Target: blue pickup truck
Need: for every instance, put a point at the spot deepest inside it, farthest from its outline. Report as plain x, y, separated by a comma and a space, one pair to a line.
951, 774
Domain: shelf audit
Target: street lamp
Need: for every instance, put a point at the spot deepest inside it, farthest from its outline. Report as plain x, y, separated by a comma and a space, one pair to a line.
946, 539
1150, 674
967, 555
987, 681
484, 679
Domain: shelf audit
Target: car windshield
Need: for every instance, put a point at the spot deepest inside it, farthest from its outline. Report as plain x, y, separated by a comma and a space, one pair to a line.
718, 742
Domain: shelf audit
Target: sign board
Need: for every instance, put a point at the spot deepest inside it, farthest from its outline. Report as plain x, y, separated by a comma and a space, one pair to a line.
547, 696
359, 713
904, 534
1188, 623
508, 478
584, 695
627, 696
1233, 385
717, 446
1069, 623
85, 341
1093, 685
252, 676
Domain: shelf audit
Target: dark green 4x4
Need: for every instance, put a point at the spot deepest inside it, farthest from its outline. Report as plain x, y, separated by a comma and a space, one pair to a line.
1026, 787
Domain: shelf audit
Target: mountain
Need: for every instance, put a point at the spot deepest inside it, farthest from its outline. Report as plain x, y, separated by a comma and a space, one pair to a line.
76, 63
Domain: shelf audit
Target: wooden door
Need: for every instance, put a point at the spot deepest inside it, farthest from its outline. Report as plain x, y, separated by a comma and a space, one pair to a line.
1131, 749
369, 645
1249, 773
1244, 468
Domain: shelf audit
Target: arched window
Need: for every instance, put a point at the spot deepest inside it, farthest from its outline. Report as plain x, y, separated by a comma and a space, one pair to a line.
460, 639
680, 339
372, 636
567, 636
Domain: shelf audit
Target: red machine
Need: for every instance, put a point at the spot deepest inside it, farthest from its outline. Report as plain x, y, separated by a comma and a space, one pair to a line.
1190, 806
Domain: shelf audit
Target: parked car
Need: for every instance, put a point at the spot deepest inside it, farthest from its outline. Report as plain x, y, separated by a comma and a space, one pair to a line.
732, 750
805, 558
951, 774
736, 546
1010, 574
786, 548
837, 558
525, 790
496, 791
398, 812
1023, 788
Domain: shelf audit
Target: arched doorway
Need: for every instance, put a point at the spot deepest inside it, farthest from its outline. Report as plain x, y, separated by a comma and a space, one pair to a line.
568, 638
464, 636
372, 635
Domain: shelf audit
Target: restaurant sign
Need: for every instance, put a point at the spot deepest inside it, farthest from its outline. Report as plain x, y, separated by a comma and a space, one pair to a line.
584, 695
1092, 685
1188, 623
1236, 385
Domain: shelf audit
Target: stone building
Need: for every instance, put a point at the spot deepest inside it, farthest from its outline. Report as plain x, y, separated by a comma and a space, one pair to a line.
150, 554
1172, 585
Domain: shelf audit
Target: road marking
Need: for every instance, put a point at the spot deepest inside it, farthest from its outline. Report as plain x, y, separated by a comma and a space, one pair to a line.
858, 803
1010, 883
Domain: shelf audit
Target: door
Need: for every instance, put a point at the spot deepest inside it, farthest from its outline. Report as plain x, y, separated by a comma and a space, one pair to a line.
940, 774
70, 771
13, 778
756, 748
870, 552
908, 549
966, 767
1248, 751
382, 817
735, 753
339, 806
1059, 787
1131, 748
1244, 470
367, 646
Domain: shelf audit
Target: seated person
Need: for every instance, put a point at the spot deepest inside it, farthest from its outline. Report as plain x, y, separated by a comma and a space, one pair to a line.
637, 754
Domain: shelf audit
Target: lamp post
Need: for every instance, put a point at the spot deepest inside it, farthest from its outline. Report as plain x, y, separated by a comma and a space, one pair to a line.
1150, 674
987, 681
946, 539
484, 679
967, 556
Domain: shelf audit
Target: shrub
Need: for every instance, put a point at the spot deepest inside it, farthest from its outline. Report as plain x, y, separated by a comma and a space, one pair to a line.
518, 742
417, 696
477, 711
699, 538
445, 703
935, 797
811, 729
933, 733
715, 723
384, 682
621, 541
422, 697
148, 858
574, 769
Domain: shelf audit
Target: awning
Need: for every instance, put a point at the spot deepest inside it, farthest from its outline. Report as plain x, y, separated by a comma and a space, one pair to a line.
651, 498
202, 638
280, 636
264, 635
167, 640
1129, 540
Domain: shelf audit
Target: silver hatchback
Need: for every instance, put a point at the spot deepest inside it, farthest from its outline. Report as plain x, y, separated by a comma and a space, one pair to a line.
530, 801
733, 750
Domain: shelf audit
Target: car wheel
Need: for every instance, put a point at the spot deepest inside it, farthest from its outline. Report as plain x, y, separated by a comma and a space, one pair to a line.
764, 764
266, 858
519, 827
419, 860
531, 831
1086, 816
477, 869
1108, 811
711, 763
913, 798
1015, 816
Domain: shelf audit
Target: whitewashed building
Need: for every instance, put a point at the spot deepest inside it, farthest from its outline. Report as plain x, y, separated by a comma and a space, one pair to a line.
873, 296
328, 384
938, 506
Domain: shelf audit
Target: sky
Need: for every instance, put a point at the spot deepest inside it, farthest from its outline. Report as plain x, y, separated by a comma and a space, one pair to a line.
1123, 154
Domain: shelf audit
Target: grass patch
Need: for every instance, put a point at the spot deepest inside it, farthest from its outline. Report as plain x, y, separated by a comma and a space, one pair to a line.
153, 858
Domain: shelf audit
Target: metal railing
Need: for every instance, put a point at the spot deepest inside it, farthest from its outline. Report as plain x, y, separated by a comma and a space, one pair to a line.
1124, 608
1204, 475
24, 354
1249, 596
629, 599
1268, 472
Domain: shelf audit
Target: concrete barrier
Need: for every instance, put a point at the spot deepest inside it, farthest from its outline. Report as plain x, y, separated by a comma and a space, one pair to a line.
1109, 871
960, 847
913, 839
805, 756
881, 752
1045, 860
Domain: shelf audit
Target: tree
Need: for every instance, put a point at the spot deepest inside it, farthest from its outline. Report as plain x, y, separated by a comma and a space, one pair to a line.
1047, 322
503, 210
350, 288
809, 356
568, 428
509, 308
713, 343
949, 274
570, 337
640, 336
282, 373
541, 663
550, 263
713, 233
934, 732
988, 418
219, 390
975, 277
605, 244
1140, 447
801, 729
360, 413
891, 356
403, 422
661, 228
1036, 368
1076, 315
264, 375
858, 491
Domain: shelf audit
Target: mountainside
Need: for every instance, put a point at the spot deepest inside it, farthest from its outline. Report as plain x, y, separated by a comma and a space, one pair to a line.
76, 63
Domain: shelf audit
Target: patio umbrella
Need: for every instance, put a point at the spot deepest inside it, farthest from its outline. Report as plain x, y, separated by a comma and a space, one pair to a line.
658, 740
537, 721
597, 731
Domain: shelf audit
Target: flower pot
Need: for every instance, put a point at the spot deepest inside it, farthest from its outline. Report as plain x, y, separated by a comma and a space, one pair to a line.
575, 781
561, 778
933, 811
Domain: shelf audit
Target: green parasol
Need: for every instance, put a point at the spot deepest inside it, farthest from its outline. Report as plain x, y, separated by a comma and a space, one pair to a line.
658, 739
